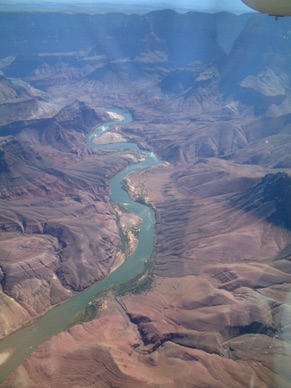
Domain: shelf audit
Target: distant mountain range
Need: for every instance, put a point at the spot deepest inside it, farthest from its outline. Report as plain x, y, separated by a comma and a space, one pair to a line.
125, 6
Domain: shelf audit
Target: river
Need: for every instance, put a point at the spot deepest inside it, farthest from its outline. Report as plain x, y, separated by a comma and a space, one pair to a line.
22, 343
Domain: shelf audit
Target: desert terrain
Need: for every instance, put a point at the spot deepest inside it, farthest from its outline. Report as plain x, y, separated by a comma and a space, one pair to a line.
209, 94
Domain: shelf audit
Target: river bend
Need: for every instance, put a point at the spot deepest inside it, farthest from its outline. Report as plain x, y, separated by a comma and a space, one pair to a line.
23, 342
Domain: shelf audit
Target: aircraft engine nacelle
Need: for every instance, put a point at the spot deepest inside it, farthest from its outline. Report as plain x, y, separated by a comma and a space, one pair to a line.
271, 7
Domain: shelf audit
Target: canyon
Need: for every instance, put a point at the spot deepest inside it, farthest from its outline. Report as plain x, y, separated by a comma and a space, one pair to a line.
210, 96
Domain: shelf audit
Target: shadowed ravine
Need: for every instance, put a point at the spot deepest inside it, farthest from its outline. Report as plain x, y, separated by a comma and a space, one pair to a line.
23, 342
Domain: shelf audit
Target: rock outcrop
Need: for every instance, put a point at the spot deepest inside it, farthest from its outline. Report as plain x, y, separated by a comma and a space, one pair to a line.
58, 230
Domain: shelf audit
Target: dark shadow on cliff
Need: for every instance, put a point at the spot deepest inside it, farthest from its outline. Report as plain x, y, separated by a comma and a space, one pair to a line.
270, 199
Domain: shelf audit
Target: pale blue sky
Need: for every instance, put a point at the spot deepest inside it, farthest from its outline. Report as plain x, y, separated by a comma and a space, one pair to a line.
210, 5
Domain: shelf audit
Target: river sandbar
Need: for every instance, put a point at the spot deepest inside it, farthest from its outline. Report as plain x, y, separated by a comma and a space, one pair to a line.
115, 116
109, 138
4, 357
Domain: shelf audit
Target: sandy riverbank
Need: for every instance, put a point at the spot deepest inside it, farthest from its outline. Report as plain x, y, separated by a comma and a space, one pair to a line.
115, 116
129, 225
109, 138
4, 357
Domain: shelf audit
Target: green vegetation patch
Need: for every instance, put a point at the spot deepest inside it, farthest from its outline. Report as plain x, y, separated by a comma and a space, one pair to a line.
88, 314
138, 284
135, 230
123, 237
140, 199
124, 185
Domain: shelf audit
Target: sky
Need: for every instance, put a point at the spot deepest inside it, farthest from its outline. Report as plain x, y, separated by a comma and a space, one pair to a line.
200, 5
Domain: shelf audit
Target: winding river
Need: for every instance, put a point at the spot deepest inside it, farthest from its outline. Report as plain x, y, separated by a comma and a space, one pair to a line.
23, 342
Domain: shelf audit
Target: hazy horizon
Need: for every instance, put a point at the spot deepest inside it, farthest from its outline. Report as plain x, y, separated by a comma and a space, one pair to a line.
185, 5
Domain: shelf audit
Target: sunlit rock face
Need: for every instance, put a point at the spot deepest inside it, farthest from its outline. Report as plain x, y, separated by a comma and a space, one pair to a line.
210, 95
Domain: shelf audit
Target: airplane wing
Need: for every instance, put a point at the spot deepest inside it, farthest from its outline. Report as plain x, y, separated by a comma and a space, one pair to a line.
270, 7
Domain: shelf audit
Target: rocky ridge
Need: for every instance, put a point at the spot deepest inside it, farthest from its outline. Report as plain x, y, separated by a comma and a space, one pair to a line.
58, 230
